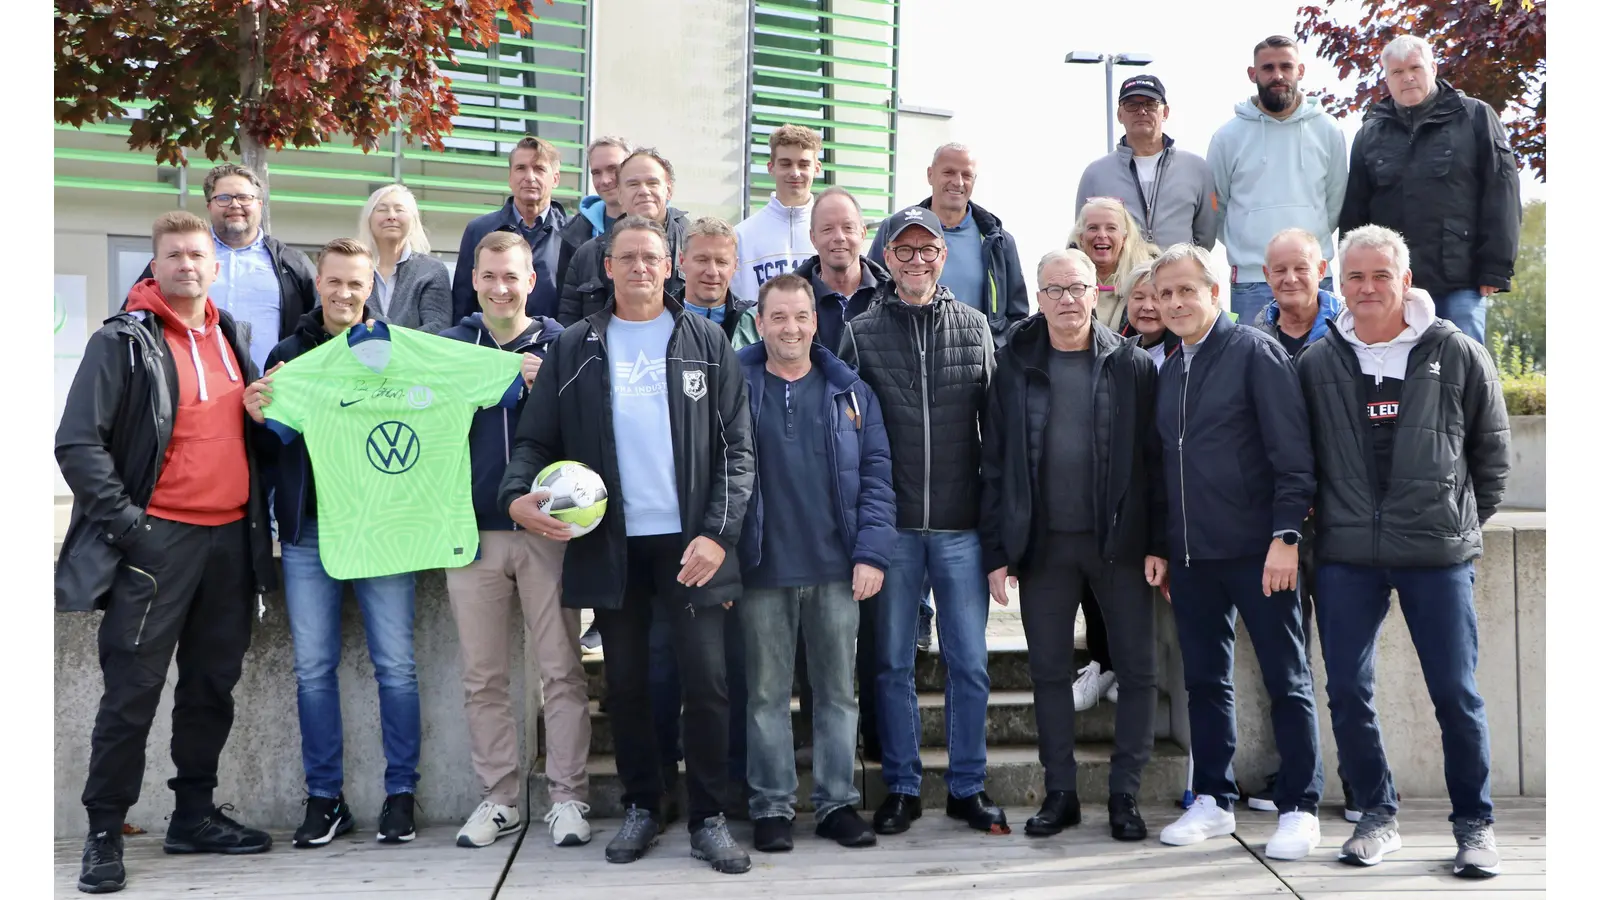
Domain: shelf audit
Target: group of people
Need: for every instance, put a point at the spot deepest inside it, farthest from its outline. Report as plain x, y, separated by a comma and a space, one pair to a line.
800, 435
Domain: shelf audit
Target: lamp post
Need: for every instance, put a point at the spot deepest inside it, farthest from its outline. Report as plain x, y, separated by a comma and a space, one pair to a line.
1111, 61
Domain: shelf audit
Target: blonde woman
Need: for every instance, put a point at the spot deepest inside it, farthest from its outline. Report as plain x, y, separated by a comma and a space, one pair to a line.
1108, 234
410, 288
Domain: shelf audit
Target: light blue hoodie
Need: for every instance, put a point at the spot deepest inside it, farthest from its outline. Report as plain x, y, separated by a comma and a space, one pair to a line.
1272, 175
594, 209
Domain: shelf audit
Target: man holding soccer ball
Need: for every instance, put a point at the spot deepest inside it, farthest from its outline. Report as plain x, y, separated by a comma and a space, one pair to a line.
654, 401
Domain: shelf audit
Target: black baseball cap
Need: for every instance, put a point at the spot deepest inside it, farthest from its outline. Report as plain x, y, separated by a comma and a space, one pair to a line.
1143, 86
905, 218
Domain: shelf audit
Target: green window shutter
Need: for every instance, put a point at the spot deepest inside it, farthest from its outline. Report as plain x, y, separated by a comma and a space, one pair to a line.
832, 65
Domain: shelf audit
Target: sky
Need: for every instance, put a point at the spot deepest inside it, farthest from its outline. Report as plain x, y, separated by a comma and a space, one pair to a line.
1036, 121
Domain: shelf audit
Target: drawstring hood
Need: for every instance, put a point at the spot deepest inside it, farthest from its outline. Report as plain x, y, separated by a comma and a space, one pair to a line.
146, 295
1380, 360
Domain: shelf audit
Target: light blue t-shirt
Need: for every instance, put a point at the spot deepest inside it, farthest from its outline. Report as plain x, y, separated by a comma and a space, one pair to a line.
640, 424
247, 287
963, 266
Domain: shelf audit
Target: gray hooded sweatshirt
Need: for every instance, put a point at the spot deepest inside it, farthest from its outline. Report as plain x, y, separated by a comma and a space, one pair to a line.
1183, 200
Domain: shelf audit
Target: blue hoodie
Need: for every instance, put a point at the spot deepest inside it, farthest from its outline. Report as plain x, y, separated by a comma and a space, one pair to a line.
594, 209
1328, 309
1272, 175
494, 430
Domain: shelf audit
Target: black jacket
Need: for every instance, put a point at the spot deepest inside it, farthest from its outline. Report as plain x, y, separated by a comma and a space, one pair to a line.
286, 468
1450, 188
545, 239
1005, 298
586, 289
568, 417
1130, 505
831, 313
112, 439
1451, 458
1243, 469
297, 285
930, 367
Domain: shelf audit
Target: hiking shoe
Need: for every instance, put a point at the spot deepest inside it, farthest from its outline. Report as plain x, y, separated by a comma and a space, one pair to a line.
326, 819
712, 843
1298, 834
638, 833
102, 871
398, 821
1375, 835
214, 832
1477, 856
488, 823
1090, 687
568, 828
774, 834
1205, 819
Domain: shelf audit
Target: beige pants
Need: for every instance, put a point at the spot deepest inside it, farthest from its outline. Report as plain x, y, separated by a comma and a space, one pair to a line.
517, 564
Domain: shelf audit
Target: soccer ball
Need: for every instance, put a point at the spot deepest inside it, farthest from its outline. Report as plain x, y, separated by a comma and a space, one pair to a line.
577, 495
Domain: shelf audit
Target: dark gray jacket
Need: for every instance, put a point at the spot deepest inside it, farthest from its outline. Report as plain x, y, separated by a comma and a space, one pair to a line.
586, 288
1452, 453
421, 296
1185, 211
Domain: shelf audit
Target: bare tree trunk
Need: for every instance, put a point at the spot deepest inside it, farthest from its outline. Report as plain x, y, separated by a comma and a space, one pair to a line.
251, 67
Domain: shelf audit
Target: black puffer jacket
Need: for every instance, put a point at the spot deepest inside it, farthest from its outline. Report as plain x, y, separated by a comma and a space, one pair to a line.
1130, 505
1450, 187
586, 289
930, 367
1451, 458
568, 416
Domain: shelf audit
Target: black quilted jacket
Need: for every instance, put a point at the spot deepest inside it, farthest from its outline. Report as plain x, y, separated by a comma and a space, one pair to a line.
930, 367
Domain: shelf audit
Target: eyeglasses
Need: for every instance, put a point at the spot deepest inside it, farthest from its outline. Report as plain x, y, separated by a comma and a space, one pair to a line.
1077, 290
927, 253
649, 259
228, 199
1148, 106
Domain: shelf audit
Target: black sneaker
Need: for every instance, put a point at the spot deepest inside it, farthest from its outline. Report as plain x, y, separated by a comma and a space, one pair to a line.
924, 629
102, 871
214, 832
326, 819
774, 834
713, 843
398, 821
846, 827
638, 833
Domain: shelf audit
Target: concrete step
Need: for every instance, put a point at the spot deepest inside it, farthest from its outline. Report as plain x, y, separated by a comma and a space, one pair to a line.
1011, 721
1015, 779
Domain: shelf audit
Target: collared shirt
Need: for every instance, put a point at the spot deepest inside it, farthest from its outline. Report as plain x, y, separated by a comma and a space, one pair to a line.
247, 287
540, 219
385, 287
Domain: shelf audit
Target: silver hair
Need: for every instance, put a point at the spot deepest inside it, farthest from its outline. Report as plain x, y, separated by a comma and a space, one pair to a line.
837, 191
1403, 46
1141, 272
1299, 234
1177, 253
1377, 237
954, 146
1072, 254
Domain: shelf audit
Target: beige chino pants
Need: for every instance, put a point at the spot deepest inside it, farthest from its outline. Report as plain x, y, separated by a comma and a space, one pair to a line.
513, 565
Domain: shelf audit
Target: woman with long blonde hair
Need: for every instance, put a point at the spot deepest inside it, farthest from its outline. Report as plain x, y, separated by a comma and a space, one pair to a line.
410, 288
1106, 231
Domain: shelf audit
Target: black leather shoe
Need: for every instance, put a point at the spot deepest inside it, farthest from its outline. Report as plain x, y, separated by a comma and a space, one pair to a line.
774, 834
897, 813
845, 826
1060, 810
1126, 823
978, 811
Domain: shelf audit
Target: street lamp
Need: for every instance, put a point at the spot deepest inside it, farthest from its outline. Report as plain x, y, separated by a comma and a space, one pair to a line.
1111, 60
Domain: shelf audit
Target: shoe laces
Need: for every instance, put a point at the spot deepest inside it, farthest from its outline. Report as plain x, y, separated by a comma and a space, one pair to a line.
102, 848
1476, 834
633, 824
219, 816
716, 833
1297, 822
1204, 806
484, 813
576, 807
1092, 670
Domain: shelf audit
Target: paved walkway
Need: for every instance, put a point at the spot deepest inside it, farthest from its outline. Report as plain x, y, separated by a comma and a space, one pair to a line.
937, 859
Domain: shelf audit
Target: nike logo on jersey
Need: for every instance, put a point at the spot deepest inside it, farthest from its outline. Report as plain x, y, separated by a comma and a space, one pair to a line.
343, 403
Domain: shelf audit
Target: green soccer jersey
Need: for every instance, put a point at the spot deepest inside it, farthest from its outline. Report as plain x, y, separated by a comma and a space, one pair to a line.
385, 424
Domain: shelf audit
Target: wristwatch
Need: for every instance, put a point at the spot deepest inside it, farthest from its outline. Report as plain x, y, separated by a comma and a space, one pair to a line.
1288, 537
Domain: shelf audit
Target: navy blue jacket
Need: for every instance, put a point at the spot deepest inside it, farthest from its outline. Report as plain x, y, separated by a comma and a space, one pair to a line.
494, 430
858, 455
1236, 445
287, 467
544, 238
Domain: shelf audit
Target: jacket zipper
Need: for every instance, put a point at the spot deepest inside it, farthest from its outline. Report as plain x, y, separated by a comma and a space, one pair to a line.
139, 635
927, 430
1183, 494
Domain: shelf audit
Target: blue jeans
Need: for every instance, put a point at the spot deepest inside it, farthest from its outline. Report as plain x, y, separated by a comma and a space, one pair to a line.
1352, 602
951, 560
1247, 298
666, 693
1207, 597
773, 619
314, 601
1468, 309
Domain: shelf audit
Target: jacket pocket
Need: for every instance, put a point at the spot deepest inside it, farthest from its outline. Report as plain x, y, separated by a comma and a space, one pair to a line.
1455, 252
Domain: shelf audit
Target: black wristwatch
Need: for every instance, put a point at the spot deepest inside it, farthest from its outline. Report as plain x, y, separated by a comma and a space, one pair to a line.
1290, 537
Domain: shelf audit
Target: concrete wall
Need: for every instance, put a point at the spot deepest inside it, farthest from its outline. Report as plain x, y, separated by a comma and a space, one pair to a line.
1525, 489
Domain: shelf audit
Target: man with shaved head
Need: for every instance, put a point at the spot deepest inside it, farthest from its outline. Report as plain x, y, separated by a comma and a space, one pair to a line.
982, 269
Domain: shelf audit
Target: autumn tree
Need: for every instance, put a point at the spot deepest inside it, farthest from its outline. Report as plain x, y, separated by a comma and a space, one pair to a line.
1491, 49
240, 77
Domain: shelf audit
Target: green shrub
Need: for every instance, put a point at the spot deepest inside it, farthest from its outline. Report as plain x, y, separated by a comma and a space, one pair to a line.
1522, 385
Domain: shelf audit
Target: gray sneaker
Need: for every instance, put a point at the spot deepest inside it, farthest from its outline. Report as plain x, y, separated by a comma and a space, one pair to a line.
1376, 834
1476, 853
638, 833
715, 845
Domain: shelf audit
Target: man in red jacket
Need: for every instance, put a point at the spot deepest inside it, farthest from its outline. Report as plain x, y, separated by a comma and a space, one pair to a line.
170, 537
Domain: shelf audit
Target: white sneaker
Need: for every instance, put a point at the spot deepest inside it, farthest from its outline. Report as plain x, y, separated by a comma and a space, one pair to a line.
567, 825
1202, 820
1298, 834
1090, 686
1111, 692
488, 822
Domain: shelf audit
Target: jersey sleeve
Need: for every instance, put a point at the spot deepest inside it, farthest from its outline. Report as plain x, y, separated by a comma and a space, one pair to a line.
287, 412
481, 376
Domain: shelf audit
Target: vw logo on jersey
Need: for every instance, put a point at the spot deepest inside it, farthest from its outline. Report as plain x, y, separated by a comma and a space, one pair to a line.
419, 396
393, 447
